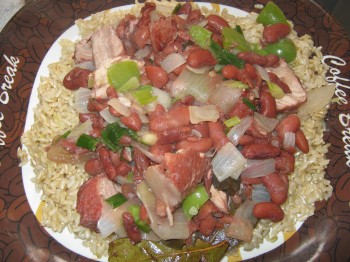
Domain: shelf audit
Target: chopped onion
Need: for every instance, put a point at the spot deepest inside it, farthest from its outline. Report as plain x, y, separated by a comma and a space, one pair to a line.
289, 140
258, 168
87, 65
142, 53
172, 61
199, 114
107, 116
241, 226
82, 128
238, 131
317, 99
163, 97
262, 72
200, 70
82, 96
260, 194
111, 220
153, 157
228, 162
189, 83
161, 226
224, 97
120, 107
267, 123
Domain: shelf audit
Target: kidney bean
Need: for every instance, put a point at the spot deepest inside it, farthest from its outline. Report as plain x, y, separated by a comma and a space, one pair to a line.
185, 9
133, 121
268, 105
276, 187
141, 36
252, 58
241, 110
289, 124
207, 225
230, 72
173, 135
301, 141
275, 79
93, 167
141, 161
272, 60
97, 121
108, 168
144, 215
175, 117
217, 134
285, 162
125, 140
217, 23
96, 105
177, 71
201, 57
275, 32
246, 140
111, 92
268, 210
157, 76
260, 151
217, 38
131, 229
128, 191
194, 16
122, 169
197, 144
202, 128
157, 112
76, 78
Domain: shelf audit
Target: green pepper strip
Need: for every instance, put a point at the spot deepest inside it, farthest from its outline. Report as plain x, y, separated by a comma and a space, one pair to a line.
194, 201
144, 95
200, 36
271, 14
176, 9
116, 200
135, 212
234, 39
249, 103
87, 142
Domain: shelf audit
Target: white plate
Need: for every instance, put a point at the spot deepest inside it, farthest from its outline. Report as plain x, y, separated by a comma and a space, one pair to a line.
66, 238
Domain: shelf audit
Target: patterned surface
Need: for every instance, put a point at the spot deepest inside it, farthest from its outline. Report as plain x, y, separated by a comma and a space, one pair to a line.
30, 33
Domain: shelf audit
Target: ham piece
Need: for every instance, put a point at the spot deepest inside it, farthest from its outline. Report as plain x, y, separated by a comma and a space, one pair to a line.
106, 45
91, 199
177, 175
297, 96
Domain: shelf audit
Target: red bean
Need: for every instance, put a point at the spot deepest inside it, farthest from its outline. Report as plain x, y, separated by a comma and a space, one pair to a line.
268, 105
207, 226
201, 57
289, 124
76, 78
202, 128
198, 144
144, 215
272, 60
141, 36
275, 32
157, 76
230, 71
93, 167
173, 135
217, 23
217, 134
252, 58
285, 162
260, 151
131, 229
133, 121
276, 187
301, 141
268, 210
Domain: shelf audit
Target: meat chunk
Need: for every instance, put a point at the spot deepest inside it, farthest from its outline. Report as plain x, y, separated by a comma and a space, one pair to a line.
83, 51
106, 45
91, 196
177, 175
297, 96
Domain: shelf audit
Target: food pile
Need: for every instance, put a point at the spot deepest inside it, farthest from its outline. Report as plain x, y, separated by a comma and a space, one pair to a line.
187, 130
